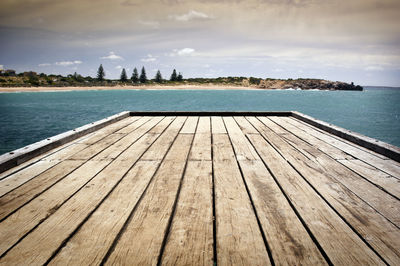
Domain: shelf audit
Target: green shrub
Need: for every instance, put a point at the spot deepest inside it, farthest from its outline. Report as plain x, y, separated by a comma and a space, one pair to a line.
34, 81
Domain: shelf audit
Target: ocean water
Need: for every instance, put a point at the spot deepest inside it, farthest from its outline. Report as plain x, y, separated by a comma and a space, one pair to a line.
32, 116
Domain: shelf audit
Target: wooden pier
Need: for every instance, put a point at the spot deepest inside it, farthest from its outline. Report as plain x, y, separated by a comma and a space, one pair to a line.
202, 189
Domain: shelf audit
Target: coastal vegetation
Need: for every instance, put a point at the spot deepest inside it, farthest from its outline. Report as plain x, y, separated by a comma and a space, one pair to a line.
10, 78
100, 73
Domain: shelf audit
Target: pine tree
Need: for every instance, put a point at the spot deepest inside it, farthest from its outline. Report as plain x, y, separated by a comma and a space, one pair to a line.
173, 76
180, 77
135, 76
101, 73
143, 77
123, 77
158, 77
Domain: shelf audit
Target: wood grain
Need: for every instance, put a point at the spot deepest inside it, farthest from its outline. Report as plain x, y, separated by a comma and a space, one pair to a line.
370, 224
239, 239
140, 242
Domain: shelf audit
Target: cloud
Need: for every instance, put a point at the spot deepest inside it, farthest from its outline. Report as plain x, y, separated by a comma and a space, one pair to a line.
44, 64
68, 63
374, 68
112, 56
182, 52
118, 67
191, 15
150, 23
148, 58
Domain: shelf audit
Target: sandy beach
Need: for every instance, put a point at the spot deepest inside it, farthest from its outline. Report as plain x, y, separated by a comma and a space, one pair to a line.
152, 87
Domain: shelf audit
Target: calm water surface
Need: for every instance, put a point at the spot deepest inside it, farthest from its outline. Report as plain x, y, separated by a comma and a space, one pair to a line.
32, 116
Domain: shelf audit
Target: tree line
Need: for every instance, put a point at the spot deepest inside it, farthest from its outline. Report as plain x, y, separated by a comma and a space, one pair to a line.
142, 78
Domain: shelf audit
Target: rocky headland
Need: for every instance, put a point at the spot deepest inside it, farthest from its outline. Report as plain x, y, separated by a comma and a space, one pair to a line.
307, 84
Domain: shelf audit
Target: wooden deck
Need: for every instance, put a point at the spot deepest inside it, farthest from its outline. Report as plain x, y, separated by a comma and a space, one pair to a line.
200, 190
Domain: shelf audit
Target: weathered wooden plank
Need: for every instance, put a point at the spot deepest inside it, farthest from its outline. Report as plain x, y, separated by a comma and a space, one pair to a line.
101, 133
217, 125
25, 219
375, 229
39, 165
56, 195
91, 243
94, 149
26, 153
295, 122
34, 160
135, 124
106, 142
203, 126
190, 239
321, 220
19, 178
239, 240
112, 210
387, 166
304, 148
156, 151
245, 126
379, 178
24, 172
65, 153
190, 126
29, 190
244, 150
201, 147
390, 151
383, 202
118, 147
83, 138
140, 242
288, 240
381, 234
160, 127
317, 143
148, 139
38, 246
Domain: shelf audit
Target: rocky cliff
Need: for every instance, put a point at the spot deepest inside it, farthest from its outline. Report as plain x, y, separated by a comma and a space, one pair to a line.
307, 84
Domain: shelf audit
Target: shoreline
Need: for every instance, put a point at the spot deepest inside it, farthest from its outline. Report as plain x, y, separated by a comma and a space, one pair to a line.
156, 87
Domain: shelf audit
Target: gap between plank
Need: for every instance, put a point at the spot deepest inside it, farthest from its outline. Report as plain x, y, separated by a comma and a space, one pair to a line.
363, 149
68, 173
323, 253
267, 247
348, 224
171, 217
316, 191
355, 194
128, 220
339, 161
213, 198
66, 158
107, 195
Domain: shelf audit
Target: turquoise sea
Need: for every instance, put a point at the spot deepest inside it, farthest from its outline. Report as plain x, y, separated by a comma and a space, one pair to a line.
32, 116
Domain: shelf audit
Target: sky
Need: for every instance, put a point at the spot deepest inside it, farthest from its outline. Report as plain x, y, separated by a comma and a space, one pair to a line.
341, 40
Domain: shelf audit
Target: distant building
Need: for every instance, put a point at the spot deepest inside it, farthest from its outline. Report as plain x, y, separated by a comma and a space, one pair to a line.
30, 74
9, 72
